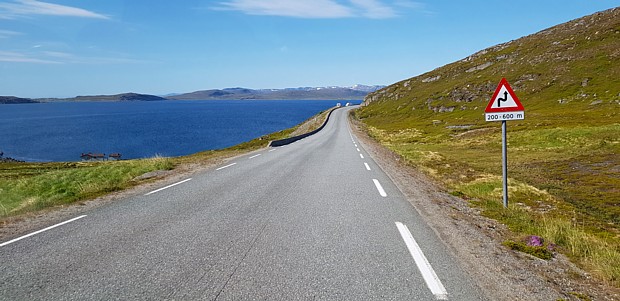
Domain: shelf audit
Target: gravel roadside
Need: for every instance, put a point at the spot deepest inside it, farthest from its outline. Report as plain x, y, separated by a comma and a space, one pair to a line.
502, 274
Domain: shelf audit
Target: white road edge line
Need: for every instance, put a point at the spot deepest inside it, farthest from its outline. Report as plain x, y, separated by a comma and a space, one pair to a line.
358, 150
272, 150
367, 166
255, 156
431, 279
229, 165
171, 185
361, 156
380, 188
42, 230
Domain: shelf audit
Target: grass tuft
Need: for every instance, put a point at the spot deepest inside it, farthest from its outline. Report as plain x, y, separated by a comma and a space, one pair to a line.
541, 252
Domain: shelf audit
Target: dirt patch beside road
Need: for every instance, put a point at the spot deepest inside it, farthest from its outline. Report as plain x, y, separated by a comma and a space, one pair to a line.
476, 241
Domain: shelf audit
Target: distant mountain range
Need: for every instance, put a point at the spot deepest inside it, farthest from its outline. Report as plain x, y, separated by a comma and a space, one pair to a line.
318, 93
303, 93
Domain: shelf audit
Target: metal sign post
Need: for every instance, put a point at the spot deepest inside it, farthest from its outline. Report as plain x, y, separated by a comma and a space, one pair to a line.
504, 164
502, 109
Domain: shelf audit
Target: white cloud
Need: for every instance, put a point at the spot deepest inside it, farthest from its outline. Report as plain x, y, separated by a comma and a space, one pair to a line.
108, 60
57, 57
14, 57
288, 8
375, 9
8, 33
409, 4
57, 54
20, 8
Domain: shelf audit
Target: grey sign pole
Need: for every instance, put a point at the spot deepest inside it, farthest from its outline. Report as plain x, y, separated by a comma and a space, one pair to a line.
505, 163
501, 109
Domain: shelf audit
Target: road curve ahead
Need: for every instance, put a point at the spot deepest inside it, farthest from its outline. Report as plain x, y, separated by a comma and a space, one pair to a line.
314, 220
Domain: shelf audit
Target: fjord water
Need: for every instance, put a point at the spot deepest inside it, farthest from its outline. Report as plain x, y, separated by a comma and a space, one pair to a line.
62, 131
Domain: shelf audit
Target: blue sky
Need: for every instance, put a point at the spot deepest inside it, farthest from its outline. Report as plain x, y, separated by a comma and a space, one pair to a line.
64, 48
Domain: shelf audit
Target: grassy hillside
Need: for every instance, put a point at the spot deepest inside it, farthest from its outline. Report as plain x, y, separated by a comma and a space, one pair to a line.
564, 158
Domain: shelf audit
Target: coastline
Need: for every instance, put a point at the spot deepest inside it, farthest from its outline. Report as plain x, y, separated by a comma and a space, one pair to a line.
13, 225
60, 132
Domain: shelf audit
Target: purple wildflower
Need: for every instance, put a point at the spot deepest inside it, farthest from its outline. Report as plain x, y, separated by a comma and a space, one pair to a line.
535, 241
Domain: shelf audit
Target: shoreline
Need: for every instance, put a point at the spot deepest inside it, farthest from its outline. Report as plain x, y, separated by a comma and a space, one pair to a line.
12, 226
139, 131
10, 160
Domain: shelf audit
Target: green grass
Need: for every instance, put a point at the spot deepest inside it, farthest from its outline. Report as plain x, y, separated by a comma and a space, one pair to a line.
540, 252
27, 187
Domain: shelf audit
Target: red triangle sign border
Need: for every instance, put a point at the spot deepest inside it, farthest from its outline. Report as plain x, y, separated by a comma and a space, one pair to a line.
504, 83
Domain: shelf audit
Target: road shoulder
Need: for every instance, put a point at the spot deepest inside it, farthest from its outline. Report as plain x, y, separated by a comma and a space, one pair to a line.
475, 240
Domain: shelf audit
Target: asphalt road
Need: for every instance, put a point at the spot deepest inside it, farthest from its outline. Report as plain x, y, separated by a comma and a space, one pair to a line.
314, 220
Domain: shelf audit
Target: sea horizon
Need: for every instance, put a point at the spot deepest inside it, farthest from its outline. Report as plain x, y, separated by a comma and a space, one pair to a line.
62, 131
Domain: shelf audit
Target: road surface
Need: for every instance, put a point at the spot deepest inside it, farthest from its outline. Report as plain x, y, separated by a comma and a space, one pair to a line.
314, 220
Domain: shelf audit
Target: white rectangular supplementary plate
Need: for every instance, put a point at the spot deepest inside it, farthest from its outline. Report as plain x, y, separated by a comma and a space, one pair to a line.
501, 116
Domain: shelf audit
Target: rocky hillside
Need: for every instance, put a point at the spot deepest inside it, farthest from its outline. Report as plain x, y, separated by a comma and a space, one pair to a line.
566, 69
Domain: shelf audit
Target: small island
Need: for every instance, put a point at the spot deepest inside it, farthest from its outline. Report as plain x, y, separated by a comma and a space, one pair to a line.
15, 100
116, 97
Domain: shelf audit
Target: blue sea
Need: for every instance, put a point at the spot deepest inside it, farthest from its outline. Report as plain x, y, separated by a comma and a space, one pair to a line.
62, 131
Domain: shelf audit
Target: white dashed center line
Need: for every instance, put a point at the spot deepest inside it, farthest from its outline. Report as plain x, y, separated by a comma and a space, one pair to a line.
361, 156
380, 188
42, 230
429, 275
367, 167
229, 165
171, 185
255, 156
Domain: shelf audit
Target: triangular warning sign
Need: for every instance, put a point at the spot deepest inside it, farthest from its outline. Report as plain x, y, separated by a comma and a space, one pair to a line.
504, 99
